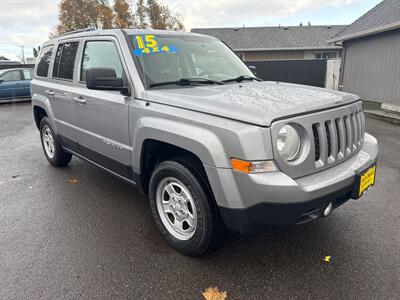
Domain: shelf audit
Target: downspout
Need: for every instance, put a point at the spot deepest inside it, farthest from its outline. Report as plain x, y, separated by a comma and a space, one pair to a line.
342, 64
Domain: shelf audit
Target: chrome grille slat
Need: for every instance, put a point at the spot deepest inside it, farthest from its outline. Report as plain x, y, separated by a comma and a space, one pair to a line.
341, 138
335, 139
359, 126
362, 126
355, 130
323, 142
320, 144
349, 135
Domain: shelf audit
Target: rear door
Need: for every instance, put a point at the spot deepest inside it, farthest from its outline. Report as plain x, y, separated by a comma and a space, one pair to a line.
60, 91
102, 116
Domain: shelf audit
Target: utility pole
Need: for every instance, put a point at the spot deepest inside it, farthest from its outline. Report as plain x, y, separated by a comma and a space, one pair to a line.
23, 54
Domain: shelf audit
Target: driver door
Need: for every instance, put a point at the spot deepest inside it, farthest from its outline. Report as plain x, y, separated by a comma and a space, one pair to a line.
102, 116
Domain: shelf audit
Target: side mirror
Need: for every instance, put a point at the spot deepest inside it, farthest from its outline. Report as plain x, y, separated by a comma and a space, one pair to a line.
105, 79
253, 69
1, 80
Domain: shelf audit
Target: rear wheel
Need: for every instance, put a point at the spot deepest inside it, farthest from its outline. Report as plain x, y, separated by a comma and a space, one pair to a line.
52, 148
183, 206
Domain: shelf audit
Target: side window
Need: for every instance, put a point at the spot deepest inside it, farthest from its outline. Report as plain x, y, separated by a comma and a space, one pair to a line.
44, 61
27, 74
101, 54
65, 60
12, 76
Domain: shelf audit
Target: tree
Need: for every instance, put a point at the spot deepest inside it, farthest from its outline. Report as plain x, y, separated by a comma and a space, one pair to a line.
105, 15
122, 17
141, 14
79, 14
152, 14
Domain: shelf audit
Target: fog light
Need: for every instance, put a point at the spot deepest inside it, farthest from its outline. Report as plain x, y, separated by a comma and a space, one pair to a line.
328, 210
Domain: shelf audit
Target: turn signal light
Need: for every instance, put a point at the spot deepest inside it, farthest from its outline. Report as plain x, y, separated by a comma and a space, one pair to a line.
251, 167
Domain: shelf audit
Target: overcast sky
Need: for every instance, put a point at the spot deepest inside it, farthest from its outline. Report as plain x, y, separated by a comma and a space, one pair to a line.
28, 22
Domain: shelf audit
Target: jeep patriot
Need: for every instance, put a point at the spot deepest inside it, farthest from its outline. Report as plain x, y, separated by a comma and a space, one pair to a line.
182, 118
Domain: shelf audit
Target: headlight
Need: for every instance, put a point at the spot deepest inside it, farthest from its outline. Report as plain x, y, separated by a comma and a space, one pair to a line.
288, 143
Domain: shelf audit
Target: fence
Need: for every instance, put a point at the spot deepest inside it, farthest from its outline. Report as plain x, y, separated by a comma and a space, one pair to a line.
13, 66
309, 72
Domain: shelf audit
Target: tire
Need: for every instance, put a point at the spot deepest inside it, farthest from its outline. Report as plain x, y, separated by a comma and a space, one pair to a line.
52, 149
182, 174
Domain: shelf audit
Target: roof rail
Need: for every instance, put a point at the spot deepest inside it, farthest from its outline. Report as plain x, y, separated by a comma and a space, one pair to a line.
77, 31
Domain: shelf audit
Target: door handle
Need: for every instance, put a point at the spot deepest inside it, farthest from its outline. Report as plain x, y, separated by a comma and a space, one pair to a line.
79, 100
50, 92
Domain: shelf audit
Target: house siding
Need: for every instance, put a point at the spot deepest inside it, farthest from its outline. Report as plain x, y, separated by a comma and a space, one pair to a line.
272, 55
372, 67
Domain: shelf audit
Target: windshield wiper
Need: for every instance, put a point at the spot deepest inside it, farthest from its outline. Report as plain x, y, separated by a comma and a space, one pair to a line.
242, 78
186, 81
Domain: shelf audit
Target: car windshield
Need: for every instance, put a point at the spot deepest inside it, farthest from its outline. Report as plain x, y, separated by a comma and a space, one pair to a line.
173, 58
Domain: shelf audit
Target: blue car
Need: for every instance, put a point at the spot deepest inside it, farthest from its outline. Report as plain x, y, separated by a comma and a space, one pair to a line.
15, 84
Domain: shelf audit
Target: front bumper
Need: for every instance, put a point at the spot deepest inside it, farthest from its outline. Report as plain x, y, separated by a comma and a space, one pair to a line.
249, 202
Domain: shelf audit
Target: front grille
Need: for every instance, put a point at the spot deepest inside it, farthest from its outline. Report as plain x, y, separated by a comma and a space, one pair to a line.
337, 138
330, 137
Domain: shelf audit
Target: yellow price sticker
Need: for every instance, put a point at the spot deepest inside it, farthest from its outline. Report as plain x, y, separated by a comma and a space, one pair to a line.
148, 44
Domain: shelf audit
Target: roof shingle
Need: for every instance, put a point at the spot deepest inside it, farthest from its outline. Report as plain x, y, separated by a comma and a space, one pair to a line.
385, 13
274, 38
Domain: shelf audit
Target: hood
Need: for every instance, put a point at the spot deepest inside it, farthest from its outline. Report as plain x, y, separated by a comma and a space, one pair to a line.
258, 103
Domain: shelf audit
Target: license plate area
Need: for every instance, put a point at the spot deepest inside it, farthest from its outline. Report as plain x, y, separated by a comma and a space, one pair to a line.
364, 180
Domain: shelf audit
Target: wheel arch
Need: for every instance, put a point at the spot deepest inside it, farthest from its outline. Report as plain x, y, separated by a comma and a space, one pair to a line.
41, 107
159, 139
155, 151
38, 113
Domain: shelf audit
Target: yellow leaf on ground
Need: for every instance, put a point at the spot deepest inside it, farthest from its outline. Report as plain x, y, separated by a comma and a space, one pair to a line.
212, 293
73, 181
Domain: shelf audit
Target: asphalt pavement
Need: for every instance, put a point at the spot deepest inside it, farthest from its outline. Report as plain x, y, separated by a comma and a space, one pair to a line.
79, 233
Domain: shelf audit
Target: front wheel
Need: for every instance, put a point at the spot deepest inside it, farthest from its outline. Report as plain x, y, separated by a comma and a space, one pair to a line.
51, 146
183, 206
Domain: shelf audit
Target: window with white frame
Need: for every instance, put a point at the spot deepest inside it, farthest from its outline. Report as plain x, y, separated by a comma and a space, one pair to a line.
326, 55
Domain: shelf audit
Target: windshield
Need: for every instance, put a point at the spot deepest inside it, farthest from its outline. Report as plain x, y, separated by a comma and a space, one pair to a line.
168, 58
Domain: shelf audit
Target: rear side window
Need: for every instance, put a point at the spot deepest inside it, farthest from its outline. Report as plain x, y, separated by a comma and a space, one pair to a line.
44, 61
27, 74
65, 60
12, 76
101, 54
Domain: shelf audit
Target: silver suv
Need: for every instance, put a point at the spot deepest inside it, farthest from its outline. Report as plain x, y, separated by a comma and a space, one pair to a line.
182, 118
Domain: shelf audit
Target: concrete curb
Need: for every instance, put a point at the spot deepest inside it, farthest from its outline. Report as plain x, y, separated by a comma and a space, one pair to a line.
384, 116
